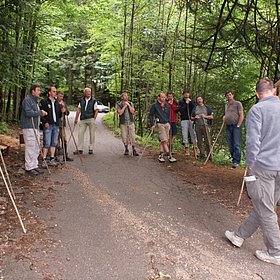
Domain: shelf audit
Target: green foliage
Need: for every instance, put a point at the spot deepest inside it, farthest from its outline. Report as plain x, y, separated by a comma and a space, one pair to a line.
4, 127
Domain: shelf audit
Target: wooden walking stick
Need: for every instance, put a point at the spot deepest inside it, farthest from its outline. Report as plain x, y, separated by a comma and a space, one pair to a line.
13, 202
242, 186
71, 134
207, 136
212, 147
7, 174
75, 143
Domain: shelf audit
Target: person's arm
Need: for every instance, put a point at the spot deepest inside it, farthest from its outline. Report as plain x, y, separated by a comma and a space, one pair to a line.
209, 115
78, 111
121, 110
95, 110
130, 108
241, 115
30, 110
44, 107
253, 136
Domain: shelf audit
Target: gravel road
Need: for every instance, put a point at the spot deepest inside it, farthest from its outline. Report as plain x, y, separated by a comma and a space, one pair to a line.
116, 218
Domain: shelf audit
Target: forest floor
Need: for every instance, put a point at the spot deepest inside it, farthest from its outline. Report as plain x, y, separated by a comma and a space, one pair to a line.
220, 184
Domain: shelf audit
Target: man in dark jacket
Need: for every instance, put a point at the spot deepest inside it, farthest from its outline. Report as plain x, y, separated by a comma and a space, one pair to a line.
186, 106
160, 118
51, 124
29, 121
87, 108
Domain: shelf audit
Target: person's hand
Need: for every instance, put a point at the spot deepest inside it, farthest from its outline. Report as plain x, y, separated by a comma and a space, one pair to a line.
152, 127
75, 122
46, 125
188, 100
127, 104
44, 113
197, 117
224, 118
63, 109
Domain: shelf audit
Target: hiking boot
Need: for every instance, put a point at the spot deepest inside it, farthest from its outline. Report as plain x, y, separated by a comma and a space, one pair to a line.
264, 256
234, 165
53, 162
78, 152
68, 159
45, 163
172, 159
161, 158
126, 152
234, 239
90, 152
135, 154
187, 151
201, 157
39, 171
31, 172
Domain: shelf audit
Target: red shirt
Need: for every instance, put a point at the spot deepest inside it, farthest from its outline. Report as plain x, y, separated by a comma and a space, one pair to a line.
174, 109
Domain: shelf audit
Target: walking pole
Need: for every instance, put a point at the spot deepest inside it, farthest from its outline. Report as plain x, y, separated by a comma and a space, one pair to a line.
13, 202
7, 174
208, 137
75, 143
36, 136
146, 142
242, 186
212, 147
71, 134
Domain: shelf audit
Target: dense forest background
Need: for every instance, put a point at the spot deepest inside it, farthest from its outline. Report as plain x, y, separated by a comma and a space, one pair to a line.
143, 46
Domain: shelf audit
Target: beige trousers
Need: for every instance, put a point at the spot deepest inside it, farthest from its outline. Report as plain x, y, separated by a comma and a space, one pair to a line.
32, 150
128, 134
83, 125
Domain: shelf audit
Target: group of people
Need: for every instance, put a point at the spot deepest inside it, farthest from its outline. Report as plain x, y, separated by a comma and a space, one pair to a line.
262, 150
262, 147
196, 119
51, 114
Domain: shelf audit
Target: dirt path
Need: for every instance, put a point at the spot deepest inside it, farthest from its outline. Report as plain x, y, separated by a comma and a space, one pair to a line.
115, 218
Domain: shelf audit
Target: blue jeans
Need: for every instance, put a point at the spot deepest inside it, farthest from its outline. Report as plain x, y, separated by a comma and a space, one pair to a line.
51, 135
233, 135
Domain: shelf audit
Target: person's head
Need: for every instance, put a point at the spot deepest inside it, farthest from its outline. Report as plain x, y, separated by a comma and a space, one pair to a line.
35, 90
87, 92
170, 95
264, 88
229, 95
199, 100
59, 96
52, 92
186, 94
124, 96
161, 97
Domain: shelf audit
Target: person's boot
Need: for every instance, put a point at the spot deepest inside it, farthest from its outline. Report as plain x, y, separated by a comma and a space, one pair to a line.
126, 151
134, 152
195, 152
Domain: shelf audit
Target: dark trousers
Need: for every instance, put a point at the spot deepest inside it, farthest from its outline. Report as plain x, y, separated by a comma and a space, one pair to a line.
203, 139
233, 135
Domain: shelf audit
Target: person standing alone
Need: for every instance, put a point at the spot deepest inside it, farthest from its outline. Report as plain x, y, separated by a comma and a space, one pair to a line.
126, 111
263, 162
87, 108
233, 119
